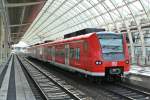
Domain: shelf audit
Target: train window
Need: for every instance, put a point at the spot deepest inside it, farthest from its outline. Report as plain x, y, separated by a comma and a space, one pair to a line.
71, 53
33, 51
60, 52
41, 49
110, 36
56, 52
45, 50
77, 53
50, 51
53, 51
85, 45
112, 46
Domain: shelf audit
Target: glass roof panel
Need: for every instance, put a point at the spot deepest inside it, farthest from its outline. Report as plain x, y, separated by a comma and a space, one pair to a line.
81, 7
109, 5
94, 12
93, 2
59, 17
107, 18
100, 8
136, 8
118, 2
146, 5
85, 2
100, 20
125, 12
115, 15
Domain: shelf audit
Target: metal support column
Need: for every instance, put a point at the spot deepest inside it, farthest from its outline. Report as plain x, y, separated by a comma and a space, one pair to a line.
131, 43
4, 33
142, 42
0, 41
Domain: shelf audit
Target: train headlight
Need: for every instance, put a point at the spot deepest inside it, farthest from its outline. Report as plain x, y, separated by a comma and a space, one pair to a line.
98, 62
127, 61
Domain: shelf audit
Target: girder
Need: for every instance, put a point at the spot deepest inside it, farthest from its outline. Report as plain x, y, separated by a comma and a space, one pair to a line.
10, 5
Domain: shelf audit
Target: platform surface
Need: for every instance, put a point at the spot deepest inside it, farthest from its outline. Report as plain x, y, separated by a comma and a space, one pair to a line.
139, 75
140, 70
14, 85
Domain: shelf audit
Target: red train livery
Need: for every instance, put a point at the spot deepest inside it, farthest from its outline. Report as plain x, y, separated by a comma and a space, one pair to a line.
102, 54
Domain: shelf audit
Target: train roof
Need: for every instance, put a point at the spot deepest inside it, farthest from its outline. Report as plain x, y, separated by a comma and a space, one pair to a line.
83, 31
84, 36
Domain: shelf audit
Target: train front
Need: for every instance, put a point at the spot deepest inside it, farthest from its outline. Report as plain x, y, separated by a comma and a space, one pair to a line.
114, 54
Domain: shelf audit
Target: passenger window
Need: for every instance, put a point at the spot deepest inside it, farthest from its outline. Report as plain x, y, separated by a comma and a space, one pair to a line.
40, 49
77, 53
45, 50
85, 45
71, 53
53, 51
59, 52
50, 51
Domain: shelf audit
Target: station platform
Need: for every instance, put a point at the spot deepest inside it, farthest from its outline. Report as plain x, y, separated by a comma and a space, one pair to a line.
13, 83
139, 75
140, 70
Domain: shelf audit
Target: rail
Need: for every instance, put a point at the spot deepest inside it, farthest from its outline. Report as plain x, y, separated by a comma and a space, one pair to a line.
51, 86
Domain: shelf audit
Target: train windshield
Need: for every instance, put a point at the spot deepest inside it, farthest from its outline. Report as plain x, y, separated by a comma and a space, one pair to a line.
112, 46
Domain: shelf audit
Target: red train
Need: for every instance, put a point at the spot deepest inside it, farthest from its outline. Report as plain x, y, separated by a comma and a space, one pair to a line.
97, 54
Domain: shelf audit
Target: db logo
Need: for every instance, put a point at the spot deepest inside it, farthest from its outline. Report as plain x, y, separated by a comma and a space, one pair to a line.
114, 63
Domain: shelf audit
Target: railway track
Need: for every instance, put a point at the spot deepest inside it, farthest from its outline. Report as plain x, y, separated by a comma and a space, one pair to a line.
35, 89
126, 92
51, 86
117, 91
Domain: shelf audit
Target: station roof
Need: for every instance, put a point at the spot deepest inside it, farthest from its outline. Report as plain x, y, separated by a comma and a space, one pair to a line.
59, 17
20, 14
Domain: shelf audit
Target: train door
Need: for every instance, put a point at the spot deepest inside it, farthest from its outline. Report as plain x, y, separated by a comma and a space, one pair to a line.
37, 52
45, 53
78, 57
67, 54
53, 53
40, 50
85, 55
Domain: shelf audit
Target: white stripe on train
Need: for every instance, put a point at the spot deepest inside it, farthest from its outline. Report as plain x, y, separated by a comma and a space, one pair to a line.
77, 69
80, 70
